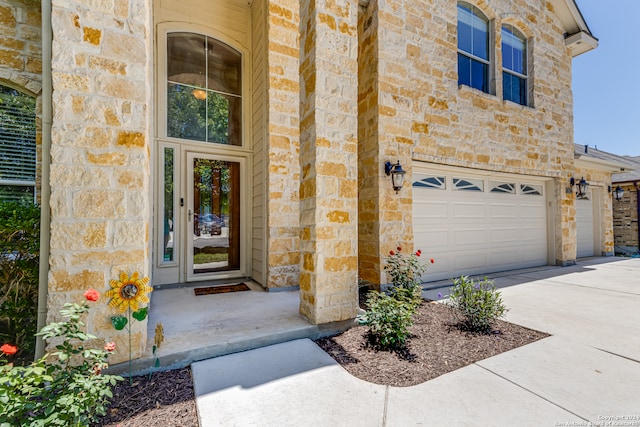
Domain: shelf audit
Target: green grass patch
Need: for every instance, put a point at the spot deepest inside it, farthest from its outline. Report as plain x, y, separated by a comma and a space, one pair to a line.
204, 258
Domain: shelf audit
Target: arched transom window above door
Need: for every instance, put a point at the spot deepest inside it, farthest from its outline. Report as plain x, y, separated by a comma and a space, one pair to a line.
204, 89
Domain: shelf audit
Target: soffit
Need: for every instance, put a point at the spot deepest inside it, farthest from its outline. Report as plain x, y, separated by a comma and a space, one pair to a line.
578, 37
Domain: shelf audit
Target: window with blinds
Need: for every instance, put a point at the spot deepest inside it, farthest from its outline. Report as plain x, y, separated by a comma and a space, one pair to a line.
17, 145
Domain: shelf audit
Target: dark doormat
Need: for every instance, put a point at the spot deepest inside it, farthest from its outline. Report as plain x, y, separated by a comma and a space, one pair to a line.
221, 289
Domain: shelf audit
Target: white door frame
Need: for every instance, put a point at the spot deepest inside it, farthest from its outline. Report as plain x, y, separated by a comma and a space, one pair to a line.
188, 212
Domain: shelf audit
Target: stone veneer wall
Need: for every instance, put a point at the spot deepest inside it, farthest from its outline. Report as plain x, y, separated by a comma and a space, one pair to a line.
283, 143
21, 58
328, 158
100, 155
423, 115
625, 217
370, 192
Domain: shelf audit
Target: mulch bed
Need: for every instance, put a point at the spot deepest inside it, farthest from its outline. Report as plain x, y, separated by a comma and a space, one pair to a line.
437, 346
165, 400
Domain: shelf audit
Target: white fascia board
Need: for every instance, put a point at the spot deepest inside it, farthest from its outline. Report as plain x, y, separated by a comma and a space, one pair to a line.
601, 165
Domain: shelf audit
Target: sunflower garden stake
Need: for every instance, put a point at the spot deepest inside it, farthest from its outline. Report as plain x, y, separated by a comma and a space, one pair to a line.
126, 294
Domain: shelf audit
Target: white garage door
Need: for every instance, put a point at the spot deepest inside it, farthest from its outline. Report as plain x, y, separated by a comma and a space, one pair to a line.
584, 226
473, 224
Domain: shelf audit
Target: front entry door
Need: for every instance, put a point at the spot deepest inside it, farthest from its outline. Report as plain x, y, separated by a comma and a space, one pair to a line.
213, 220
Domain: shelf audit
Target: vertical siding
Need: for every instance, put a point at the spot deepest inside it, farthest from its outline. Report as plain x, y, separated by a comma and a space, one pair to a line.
228, 17
259, 117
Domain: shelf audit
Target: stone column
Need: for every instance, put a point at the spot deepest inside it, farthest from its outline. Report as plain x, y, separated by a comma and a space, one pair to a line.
565, 223
100, 148
283, 142
393, 115
328, 160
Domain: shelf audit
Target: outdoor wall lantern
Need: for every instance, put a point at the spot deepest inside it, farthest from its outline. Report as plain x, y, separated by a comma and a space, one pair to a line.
397, 174
583, 186
618, 192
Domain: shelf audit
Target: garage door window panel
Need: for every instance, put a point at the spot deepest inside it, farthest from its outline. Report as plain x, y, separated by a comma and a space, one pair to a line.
468, 184
503, 187
432, 182
531, 189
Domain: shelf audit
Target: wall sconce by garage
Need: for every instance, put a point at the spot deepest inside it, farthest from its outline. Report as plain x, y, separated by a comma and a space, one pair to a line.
618, 193
397, 174
583, 186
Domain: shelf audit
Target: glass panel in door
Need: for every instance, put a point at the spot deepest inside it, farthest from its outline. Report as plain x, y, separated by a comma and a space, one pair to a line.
215, 224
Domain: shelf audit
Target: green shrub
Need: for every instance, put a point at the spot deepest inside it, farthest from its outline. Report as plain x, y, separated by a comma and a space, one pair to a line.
19, 265
63, 388
389, 317
478, 303
405, 270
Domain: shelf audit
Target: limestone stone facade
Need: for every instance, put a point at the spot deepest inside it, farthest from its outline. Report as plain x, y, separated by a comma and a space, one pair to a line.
331, 90
100, 154
20, 46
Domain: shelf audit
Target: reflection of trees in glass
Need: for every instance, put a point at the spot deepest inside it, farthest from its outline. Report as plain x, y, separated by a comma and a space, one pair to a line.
191, 118
218, 118
17, 143
214, 184
186, 114
168, 202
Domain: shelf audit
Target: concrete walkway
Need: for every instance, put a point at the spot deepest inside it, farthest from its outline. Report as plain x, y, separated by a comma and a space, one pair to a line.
588, 371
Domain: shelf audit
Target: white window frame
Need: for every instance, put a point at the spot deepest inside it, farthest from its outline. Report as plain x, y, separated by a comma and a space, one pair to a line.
161, 85
489, 63
525, 77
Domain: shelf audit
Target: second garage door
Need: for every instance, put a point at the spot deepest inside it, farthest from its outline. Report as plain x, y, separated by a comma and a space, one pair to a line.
474, 224
584, 225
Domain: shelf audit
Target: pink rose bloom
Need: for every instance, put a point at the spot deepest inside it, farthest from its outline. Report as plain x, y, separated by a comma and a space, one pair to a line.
9, 349
110, 346
92, 295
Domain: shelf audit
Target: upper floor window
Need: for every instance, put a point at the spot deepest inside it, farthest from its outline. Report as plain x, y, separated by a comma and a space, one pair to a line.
473, 47
17, 145
514, 65
204, 89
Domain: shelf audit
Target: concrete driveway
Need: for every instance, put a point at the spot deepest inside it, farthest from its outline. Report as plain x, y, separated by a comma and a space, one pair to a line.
588, 371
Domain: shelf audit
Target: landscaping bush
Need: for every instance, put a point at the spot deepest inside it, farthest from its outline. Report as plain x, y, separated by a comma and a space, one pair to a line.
19, 265
63, 388
389, 315
478, 303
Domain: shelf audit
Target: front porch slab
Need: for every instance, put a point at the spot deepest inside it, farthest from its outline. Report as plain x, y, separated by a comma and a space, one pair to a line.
206, 326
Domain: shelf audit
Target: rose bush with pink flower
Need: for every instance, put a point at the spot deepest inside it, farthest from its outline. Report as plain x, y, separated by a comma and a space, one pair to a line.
9, 349
65, 387
92, 295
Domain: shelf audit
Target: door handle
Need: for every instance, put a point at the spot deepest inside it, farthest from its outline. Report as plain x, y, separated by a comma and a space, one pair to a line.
189, 213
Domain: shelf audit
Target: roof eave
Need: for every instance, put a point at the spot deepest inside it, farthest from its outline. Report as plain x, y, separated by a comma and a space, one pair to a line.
580, 43
578, 36
602, 165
